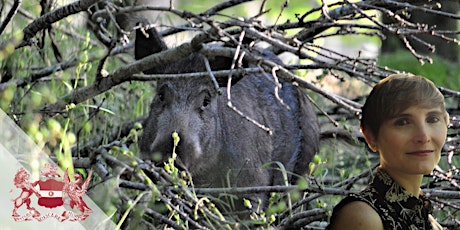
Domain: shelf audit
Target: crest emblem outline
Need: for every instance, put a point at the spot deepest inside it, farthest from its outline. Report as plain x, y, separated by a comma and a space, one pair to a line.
54, 190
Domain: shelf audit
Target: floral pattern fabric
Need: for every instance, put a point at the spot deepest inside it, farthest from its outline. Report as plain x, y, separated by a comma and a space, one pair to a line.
397, 208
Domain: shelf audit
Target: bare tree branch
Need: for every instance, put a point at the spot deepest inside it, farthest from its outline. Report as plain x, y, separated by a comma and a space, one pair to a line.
10, 15
51, 17
119, 76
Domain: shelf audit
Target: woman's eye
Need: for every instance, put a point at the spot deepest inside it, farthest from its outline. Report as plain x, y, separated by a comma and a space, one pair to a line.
433, 119
401, 122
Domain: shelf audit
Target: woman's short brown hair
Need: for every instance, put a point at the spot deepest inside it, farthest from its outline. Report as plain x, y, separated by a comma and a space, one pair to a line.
396, 93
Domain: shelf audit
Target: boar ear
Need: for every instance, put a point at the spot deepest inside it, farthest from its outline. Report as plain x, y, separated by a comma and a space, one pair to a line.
148, 41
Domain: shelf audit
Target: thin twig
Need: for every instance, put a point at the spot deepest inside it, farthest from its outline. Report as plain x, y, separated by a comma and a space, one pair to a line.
10, 15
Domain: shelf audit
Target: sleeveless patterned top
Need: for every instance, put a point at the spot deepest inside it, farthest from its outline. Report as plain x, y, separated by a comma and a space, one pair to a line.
397, 208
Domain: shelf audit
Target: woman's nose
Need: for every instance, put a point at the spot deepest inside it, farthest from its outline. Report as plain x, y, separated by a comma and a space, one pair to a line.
421, 134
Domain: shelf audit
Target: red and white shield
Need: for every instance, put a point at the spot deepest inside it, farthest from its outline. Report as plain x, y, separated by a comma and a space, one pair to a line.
51, 193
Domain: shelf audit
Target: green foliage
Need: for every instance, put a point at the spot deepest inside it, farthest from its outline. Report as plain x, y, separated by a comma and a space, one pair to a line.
442, 72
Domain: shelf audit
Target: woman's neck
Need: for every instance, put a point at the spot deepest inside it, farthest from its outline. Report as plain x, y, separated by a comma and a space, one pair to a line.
410, 182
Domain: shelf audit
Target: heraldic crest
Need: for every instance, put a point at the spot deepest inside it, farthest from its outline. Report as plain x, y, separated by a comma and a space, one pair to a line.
51, 193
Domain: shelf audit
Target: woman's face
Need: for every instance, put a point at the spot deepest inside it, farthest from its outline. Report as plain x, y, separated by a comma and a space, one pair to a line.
411, 142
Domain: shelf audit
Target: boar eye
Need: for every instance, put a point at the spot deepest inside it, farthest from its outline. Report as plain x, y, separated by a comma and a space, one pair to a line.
161, 94
206, 101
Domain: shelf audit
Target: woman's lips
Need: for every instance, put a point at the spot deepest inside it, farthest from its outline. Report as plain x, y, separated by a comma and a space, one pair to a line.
421, 153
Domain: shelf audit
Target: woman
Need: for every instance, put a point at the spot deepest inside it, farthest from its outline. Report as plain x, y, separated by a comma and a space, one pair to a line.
404, 119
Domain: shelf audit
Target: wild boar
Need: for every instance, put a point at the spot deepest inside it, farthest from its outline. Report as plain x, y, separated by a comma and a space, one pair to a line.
218, 146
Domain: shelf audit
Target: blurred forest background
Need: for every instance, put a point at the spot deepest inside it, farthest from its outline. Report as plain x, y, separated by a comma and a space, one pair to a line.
69, 80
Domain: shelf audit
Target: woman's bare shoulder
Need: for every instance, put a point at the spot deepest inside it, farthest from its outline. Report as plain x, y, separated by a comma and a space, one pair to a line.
356, 215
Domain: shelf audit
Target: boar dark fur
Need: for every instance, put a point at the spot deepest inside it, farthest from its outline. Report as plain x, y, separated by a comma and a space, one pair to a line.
217, 145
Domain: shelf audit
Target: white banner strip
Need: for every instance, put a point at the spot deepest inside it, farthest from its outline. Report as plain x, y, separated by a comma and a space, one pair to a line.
50, 193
